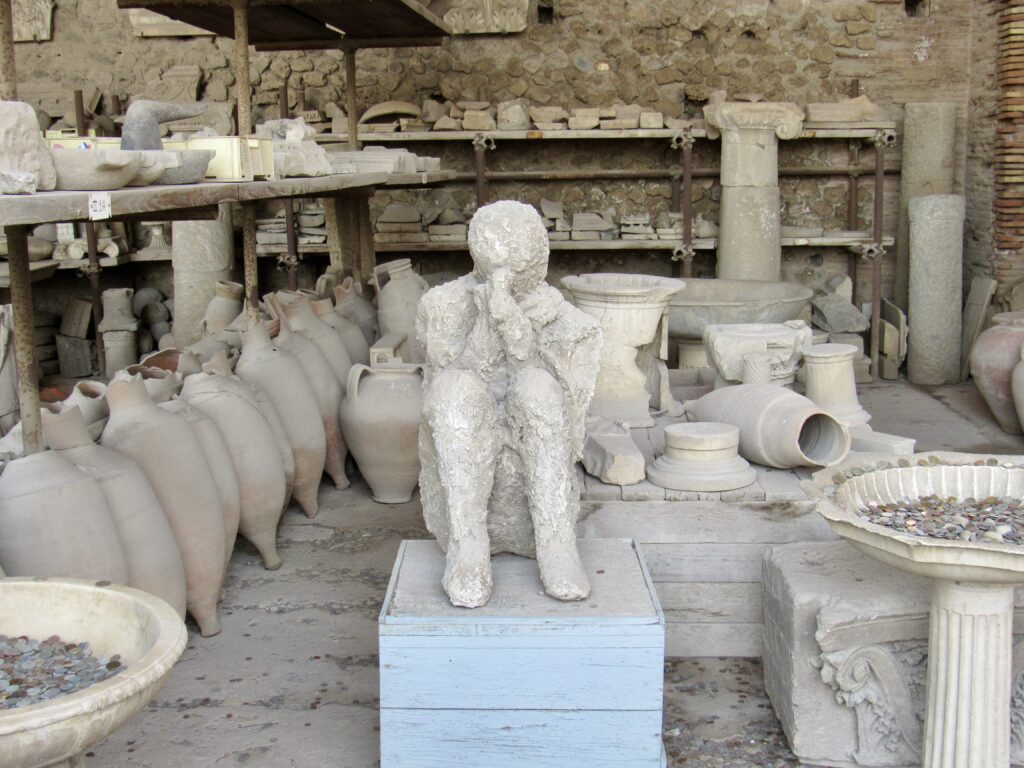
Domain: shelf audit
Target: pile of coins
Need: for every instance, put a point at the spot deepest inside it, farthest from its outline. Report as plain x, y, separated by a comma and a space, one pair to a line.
992, 520
32, 671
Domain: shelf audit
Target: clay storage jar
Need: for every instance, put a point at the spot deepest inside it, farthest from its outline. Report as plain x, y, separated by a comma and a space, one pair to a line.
168, 452
348, 332
399, 291
54, 521
308, 324
279, 376
350, 304
90, 397
995, 355
230, 403
150, 550
223, 308
380, 416
327, 390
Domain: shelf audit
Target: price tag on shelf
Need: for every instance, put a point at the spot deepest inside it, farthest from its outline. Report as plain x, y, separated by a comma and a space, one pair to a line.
99, 206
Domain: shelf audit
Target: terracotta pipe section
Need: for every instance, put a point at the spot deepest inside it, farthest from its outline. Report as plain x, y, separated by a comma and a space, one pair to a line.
8, 76
24, 348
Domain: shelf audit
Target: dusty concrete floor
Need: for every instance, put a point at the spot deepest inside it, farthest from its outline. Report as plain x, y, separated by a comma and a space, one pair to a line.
292, 678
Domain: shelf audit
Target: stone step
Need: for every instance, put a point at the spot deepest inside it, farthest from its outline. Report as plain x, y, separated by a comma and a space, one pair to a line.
705, 560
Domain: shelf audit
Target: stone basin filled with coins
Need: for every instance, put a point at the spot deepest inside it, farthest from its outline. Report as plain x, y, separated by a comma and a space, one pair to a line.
137, 637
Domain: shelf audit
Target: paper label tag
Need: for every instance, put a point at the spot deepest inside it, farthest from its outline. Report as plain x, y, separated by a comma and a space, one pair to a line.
99, 206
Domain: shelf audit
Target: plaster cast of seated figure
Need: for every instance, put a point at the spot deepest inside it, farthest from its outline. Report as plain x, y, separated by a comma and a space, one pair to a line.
510, 371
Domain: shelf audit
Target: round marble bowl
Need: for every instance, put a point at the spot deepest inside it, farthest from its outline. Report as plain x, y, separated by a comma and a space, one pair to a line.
147, 633
95, 169
706, 301
975, 561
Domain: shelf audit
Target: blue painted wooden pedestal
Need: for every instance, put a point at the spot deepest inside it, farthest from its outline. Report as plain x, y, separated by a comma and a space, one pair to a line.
526, 681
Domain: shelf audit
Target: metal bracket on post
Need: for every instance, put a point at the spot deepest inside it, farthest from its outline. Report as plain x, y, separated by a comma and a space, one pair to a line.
683, 138
884, 137
869, 251
481, 144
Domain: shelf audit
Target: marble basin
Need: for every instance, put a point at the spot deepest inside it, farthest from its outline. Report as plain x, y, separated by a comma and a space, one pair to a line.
144, 630
707, 301
191, 169
155, 162
95, 169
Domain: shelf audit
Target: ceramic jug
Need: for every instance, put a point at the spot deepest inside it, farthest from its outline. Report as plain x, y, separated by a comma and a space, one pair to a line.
399, 291
91, 399
150, 550
54, 521
327, 390
171, 456
308, 324
380, 416
993, 359
282, 379
351, 336
350, 304
222, 469
231, 405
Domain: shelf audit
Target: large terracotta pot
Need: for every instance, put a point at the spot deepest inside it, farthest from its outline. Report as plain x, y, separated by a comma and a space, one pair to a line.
399, 291
150, 550
327, 390
995, 355
223, 308
350, 304
230, 403
282, 379
778, 427
308, 324
167, 450
221, 469
381, 419
54, 521
350, 334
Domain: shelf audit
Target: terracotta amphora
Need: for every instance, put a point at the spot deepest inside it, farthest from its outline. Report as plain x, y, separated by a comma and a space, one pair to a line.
308, 324
350, 304
278, 375
993, 358
231, 404
54, 521
167, 450
350, 334
150, 550
223, 308
399, 291
381, 419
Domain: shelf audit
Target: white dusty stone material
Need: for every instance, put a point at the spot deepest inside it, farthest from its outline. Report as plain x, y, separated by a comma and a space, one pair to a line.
95, 169
749, 246
25, 162
514, 115
610, 454
834, 314
728, 345
631, 310
478, 120
117, 310
701, 457
863, 439
202, 253
936, 288
928, 168
510, 371
757, 368
831, 384
703, 302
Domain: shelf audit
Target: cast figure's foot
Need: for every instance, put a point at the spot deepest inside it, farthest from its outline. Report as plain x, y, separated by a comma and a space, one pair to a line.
562, 572
467, 574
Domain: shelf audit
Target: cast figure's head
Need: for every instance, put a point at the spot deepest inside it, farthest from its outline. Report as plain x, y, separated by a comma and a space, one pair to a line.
511, 236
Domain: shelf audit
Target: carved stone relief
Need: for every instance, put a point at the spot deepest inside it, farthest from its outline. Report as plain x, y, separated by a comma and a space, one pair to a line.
33, 20
477, 17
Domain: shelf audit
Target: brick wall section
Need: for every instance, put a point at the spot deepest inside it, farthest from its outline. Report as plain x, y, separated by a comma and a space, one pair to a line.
656, 52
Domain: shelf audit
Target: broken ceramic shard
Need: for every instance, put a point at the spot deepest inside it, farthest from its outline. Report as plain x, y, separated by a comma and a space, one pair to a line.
511, 368
631, 310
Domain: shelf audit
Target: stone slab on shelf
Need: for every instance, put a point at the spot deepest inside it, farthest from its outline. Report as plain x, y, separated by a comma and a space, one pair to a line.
830, 610
525, 680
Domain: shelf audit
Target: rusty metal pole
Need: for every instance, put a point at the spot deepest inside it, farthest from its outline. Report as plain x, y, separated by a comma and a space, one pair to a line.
480, 164
876, 266
92, 250
243, 85
24, 348
687, 192
351, 100
8, 76
292, 257
852, 201
249, 265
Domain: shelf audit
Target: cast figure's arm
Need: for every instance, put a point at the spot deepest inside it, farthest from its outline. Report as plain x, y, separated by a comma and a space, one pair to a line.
444, 320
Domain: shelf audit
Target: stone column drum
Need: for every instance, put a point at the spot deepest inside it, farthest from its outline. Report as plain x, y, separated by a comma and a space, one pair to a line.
936, 289
928, 165
702, 456
202, 253
749, 245
831, 383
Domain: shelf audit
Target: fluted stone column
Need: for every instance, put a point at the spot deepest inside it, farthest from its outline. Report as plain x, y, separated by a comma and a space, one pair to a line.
969, 676
832, 384
936, 289
749, 244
